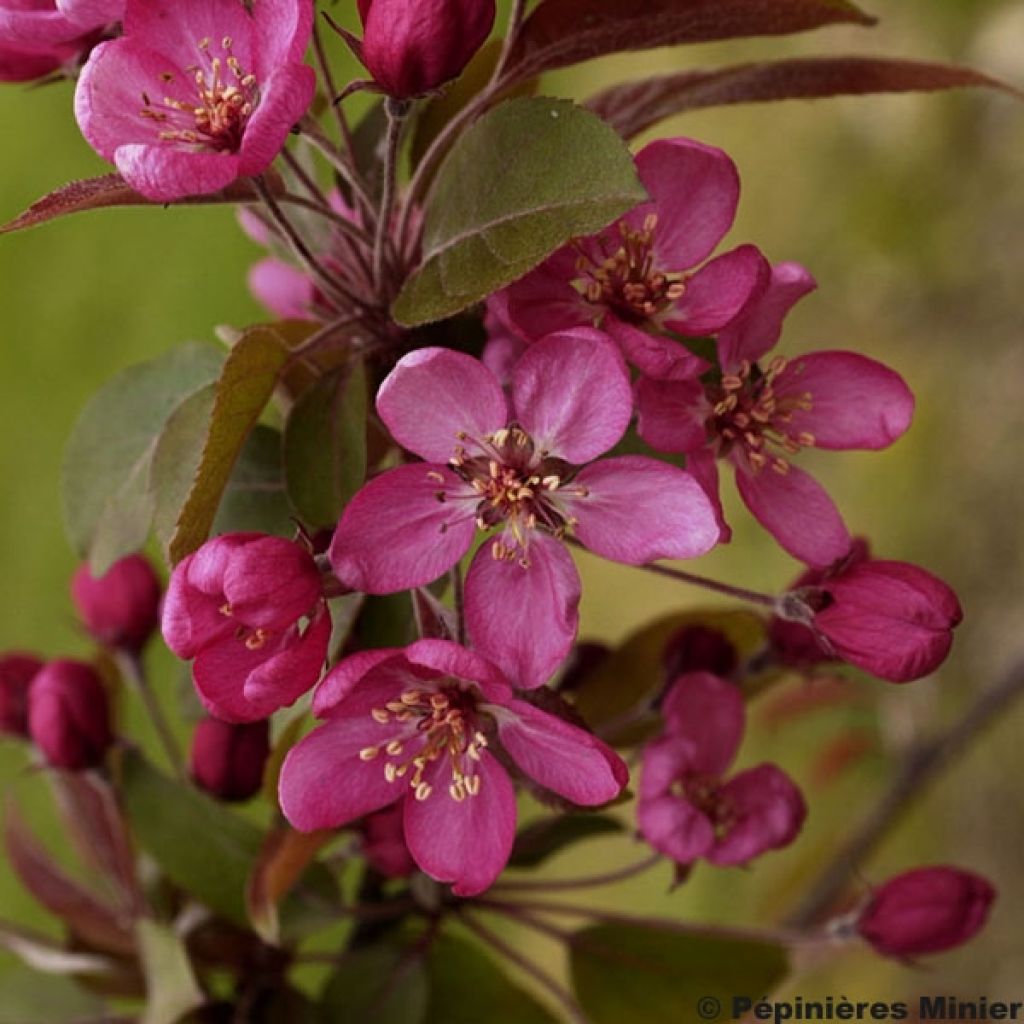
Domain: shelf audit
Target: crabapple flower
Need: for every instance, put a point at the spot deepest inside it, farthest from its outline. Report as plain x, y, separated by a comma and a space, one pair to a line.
43, 24
120, 609
893, 619
686, 809
526, 467
228, 760
17, 671
419, 726
927, 910
197, 93
412, 47
756, 416
640, 275
250, 610
69, 715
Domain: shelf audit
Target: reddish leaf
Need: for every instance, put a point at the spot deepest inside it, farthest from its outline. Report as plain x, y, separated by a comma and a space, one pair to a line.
563, 32
632, 107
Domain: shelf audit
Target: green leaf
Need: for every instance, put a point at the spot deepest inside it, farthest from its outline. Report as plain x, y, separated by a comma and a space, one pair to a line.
245, 386
661, 975
384, 983
28, 997
107, 504
523, 180
463, 979
171, 987
255, 499
325, 446
543, 839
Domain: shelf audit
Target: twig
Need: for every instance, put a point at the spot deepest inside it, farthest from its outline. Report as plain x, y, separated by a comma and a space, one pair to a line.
315, 342
920, 767
131, 668
396, 111
584, 882
331, 89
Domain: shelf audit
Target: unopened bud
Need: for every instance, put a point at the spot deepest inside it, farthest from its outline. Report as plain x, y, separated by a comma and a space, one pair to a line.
69, 715
17, 671
120, 609
228, 760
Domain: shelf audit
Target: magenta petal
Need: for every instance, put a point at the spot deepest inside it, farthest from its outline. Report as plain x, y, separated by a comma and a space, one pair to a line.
758, 329
561, 757
434, 396
163, 173
770, 812
709, 713
191, 619
638, 509
695, 190
719, 291
545, 301
325, 784
283, 289
671, 414
287, 94
339, 683
396, 533
466, 842
444, 658
571, 394
524, 619
856, 402
653, 354
796, 510
270, 582
282, 32
280, 681
176, 27
90, 14
675, 828
703, 467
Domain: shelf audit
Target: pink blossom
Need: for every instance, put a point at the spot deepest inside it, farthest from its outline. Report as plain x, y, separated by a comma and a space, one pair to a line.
639, 277
412, 47
249, 609
523, 466
228, 760
756, 416
419, 726
17, 670
687, 810
69, 715
121, 608
43, 24
197, 93
20, 65
927, 910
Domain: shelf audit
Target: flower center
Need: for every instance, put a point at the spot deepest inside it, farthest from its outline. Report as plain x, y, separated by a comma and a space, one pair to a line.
748, 416
226, 96
704, 793
628, 280
436, 724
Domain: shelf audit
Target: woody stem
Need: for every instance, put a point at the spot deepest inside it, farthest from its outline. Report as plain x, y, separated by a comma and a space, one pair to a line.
396, 111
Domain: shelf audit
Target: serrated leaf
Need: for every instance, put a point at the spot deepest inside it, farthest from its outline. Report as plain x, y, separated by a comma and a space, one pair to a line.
633, 107
543, 839
523, 180
563, 32
662, 975
385, 983
325, 446
243, 389
171, 987
105, 480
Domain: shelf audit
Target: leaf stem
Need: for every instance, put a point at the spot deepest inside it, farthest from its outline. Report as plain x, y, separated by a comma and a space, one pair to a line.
397, 111
132, 669
515, 23
584, 882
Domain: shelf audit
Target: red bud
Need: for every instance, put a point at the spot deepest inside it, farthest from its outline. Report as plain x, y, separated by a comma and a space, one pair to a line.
16, 673
121, 608
69, 715
228, 760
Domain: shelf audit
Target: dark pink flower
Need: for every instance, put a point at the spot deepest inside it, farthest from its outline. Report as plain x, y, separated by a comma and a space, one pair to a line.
687, 810
197, 93
121, 608
69, 715
250, 610
384, 844
419, 726
524, 466
19, 65
412, 47
640, 275
756, 417
17, 670
41, 24
927, 910
228, 760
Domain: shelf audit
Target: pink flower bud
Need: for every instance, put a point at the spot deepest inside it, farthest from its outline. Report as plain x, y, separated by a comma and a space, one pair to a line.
69, 715
412, 47
121, 608
927, 910
228, 760
17, 671
384, 843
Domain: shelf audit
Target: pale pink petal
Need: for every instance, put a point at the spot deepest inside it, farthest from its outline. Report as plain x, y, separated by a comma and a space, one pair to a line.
797, 511
675, 828
654, 354
466, 842
769, 812
254, 226
434, 396
286, 96
339, 683
703, 467
719, 291
561, 757
444, 658
325, 784
671, 414
758, 330
708, 712
396, 533
163, 173
638, 509
856, 402
571, 394
283, 289
524, 619
545, 301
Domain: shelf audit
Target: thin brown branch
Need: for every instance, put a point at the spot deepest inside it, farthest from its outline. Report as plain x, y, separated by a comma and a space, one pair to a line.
583, 882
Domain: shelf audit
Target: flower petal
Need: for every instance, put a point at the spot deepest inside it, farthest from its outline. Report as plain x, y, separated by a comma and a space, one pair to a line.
444, 658
524, 619
638, 509
545, 301
286, 96
653, 354
285, 290
709, 713
671, 414
175, 29
163, 173
339, 683
435, 395
279, 682
270, 582
703, 467
190, 618
282, 29
396, 533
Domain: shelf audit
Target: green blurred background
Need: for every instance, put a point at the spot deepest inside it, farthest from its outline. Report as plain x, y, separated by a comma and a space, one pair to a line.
910, 212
